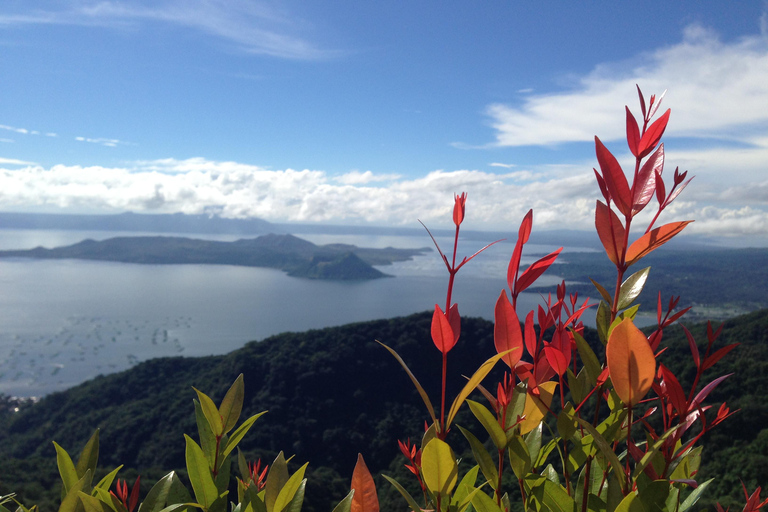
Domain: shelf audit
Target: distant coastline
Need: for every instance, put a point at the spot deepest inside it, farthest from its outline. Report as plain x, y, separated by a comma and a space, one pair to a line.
296, 256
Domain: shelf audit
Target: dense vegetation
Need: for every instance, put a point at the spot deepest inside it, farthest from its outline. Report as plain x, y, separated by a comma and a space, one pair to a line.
323, 390
296, 256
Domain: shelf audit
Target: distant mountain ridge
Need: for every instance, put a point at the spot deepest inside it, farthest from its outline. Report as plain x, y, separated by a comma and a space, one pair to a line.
298, 257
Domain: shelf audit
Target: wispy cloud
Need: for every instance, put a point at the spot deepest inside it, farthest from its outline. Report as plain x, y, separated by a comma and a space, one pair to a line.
112, 143
14, 129
254, 26
716, 89
561, 196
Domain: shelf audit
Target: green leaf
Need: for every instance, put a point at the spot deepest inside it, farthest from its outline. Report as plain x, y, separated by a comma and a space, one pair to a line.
157, 497
71, 500
488, 420
238, 434
66, 468
290, 489
232, 404
607, 451
484, 503
654, 495
692, 498
566, 425
519, 457
602, 291
106, 482
603, 321
93, 504
630, 503
408, 498
470, 386
651, 453
207, 439
482, 457
89, 457
420, 389
588, 358
200, 474
439, 467
211, 413
557, 498
276, 479
631, 287
466, 485
345, 504
533, 441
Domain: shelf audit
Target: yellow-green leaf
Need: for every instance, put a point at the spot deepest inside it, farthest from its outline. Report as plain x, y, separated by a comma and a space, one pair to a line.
439, 467
488, 421
238, 434
89, 457
289, 489
211, 413
66, 468
200, 474
470, 386
632, 286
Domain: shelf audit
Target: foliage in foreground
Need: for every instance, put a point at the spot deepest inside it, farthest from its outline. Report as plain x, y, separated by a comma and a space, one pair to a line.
624, 435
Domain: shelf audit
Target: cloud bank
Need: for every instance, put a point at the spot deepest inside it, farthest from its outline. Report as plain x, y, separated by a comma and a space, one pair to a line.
559, 197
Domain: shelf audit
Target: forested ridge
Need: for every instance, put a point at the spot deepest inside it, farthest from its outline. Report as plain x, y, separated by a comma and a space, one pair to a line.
334, 392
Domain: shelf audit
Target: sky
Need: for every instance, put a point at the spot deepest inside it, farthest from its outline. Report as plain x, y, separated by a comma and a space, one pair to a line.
349, 112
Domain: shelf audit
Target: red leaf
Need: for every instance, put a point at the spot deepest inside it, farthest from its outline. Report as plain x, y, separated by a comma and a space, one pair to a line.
679, 189
525, 227
633, 132
522, 237
653, 134
693, 346
706, 390
533, 272
610, 230
442, 334
653, 240
455, 321
645, 185
459, 207
530, 335
718, 355
661, 192
365, 498
507, 334
642, 100
674, 391
601, 184
614, 178
556, 359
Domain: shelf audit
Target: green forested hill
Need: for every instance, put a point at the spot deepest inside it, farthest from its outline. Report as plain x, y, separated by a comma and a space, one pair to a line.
332, 393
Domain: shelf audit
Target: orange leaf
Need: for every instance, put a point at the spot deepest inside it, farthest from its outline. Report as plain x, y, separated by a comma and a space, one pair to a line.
507, 334
653, 239
365, 498
631, 362
610, 230
536, 407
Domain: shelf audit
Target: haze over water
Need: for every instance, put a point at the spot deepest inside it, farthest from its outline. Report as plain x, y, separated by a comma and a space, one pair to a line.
65, 321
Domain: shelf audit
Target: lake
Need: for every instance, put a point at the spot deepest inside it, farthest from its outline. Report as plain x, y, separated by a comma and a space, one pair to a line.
65, 321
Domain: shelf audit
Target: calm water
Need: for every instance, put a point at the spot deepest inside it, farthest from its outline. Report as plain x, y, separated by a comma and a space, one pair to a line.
65, 321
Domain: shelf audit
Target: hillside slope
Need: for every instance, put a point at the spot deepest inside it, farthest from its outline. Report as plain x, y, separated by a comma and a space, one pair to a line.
334, 392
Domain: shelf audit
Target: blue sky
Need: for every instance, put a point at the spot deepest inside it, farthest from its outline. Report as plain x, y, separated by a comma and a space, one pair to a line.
376, 112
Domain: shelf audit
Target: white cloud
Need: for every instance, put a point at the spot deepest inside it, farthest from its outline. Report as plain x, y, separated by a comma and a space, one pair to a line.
14, 129
361, 178
13, 161
257, 27
716, 89
560, 196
